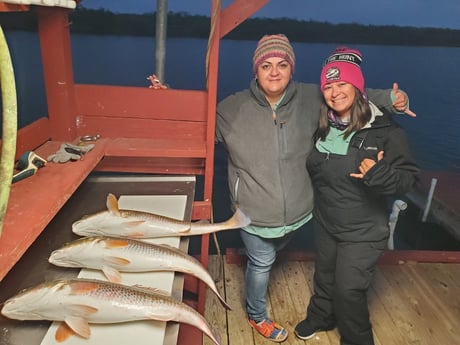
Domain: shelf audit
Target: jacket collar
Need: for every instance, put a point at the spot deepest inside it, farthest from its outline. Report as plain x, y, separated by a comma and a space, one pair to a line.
260, 96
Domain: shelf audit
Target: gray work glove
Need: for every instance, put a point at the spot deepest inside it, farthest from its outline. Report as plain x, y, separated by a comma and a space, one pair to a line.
69, 152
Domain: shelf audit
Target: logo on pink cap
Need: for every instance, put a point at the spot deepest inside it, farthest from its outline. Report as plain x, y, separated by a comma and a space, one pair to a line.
344, 64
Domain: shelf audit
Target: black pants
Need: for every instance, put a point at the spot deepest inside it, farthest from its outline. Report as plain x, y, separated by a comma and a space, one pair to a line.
343, 274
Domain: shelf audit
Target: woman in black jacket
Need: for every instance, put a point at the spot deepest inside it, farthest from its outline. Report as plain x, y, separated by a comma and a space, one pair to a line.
361, 158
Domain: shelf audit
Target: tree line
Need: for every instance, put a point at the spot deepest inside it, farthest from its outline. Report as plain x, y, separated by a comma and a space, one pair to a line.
182, 24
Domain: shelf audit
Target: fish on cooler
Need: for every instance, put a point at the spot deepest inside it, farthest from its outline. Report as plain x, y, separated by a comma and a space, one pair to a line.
138, 224
114, 255
81, 302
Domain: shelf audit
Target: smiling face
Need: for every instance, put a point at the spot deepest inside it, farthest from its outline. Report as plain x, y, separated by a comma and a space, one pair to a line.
340, 96
273, 75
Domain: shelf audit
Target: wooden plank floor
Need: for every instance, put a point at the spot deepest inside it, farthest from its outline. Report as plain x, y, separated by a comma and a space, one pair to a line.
410, 303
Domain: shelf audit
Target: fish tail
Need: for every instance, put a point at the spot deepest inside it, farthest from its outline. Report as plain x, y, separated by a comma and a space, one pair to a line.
238, 220
213, 287
223, 301
192, 317
198, 271
215, 336
210, 330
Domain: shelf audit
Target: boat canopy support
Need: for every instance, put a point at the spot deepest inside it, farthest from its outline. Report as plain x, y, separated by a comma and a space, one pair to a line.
160, 39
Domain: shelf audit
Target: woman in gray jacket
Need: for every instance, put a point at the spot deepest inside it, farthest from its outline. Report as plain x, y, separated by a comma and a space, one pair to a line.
267, 131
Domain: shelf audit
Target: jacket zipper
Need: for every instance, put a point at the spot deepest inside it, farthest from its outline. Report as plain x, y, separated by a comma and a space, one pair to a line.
236, 187
281, 147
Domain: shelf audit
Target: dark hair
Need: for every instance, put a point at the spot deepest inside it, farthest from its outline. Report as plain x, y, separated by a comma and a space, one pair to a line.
360, 115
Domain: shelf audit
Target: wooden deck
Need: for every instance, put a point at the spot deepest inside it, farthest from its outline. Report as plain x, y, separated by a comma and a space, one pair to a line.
410, 303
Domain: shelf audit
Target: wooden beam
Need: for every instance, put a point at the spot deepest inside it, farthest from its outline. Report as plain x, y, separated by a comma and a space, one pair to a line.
237, 12
140, 102
35, 201
53, 27
235, 256
6, 7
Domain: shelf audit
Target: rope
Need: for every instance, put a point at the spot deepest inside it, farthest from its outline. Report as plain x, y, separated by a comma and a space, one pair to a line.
211, 38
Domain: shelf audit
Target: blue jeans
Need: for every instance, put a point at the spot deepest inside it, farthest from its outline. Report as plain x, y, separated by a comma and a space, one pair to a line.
261, 253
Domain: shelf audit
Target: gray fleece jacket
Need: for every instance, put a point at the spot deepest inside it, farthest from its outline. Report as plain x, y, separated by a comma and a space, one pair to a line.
267, 175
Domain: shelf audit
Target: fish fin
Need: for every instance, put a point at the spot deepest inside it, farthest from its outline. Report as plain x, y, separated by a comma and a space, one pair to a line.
136, 234
134, 223
150, 289
178, 251
202, 221
79, 325
112, 204
112, 274
63, 332
167, 245
83, 287
116, 243
116, 260
82, 309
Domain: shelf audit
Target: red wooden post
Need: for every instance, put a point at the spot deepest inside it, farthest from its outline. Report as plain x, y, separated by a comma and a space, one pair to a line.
53, 27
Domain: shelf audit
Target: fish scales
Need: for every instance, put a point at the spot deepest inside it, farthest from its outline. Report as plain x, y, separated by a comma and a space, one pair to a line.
115, 255
115, 298
138, 224
83, 301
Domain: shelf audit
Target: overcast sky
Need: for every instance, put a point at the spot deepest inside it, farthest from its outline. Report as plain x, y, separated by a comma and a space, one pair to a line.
418, 13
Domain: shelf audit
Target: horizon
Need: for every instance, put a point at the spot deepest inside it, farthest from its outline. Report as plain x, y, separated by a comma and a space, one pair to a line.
439, 14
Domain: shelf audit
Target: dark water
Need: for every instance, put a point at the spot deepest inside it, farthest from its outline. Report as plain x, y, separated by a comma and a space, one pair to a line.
429, 74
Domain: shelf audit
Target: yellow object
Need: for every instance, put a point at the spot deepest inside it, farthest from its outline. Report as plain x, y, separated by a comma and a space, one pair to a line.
10, 126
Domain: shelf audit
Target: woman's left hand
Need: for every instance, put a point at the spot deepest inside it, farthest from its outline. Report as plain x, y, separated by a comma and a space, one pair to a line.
401, 101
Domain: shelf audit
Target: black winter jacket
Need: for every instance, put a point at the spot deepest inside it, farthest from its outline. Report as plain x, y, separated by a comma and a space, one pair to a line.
354, 209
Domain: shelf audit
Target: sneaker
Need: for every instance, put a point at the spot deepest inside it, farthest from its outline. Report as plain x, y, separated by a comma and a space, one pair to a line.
270, 330
306, 330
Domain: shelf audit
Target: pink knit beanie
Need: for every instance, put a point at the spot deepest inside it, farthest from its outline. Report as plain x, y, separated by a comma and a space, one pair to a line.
343, 65
273, 46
